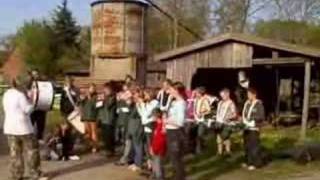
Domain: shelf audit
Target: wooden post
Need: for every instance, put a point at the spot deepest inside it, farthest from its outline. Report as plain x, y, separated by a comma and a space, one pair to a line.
277, 108
305, 110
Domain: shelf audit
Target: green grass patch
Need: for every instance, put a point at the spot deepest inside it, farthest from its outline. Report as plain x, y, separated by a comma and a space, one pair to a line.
208, 166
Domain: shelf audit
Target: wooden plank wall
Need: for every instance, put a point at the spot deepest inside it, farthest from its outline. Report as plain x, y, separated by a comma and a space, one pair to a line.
231, 55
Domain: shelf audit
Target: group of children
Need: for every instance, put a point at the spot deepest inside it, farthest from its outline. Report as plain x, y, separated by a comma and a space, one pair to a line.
223, 117
150, 124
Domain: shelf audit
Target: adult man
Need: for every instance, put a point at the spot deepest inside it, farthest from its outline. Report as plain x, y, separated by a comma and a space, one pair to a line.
20, 132
38, 117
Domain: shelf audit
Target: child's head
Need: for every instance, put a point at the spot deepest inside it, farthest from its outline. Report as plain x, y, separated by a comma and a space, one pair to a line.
200, 91
157, 113
149, 94
225, 94
92, 89
107, 89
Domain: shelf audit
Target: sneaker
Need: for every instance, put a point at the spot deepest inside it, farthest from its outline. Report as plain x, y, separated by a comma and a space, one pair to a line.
74, 158
244, 165
131, 167
252, 168
135, 168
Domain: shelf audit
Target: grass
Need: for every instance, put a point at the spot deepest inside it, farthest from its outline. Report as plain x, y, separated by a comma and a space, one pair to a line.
208, 166
53, 118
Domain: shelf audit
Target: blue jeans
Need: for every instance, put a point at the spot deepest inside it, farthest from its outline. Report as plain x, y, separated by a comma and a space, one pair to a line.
138, 153
157, 168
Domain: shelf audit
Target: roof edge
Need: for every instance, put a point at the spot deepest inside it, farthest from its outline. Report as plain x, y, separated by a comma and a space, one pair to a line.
242, 38
119, 1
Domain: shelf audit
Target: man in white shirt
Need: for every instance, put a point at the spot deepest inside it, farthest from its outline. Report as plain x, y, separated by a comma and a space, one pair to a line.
20, 132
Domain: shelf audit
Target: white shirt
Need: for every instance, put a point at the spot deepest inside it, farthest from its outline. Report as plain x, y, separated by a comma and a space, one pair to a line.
177, 114
17, 111
145, 110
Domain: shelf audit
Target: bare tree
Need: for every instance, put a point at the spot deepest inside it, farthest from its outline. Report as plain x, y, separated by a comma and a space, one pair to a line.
298, 10
235, 15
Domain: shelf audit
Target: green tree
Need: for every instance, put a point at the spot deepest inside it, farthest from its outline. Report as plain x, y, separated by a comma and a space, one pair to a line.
35, 43
296, 32
64, 26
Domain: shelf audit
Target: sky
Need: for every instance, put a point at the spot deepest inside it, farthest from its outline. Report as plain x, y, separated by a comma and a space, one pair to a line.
14, 12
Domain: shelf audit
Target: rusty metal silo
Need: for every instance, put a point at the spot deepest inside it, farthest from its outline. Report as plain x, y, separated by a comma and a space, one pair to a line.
118, 37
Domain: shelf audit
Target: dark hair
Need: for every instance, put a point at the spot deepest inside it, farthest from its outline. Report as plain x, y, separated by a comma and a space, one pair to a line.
128, 77
168, 81
14, 83
252, 91
202, 90
157, 113
108, 85
178, 86
95, 89
152, 93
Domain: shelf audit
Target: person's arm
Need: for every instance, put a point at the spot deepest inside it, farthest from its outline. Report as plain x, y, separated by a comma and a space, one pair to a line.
25, 104
233, 111
260, 114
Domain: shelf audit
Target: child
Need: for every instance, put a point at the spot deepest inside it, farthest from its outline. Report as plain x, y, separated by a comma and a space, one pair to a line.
226, 114
158, 146
107, 118
60, 144
252, 117
89, 115
124, 101
145, 107
201, 109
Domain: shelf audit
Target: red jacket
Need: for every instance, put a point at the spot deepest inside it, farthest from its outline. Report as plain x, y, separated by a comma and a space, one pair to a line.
159, 142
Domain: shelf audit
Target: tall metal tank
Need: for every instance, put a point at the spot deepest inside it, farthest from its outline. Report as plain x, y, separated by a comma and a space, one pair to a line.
118, 27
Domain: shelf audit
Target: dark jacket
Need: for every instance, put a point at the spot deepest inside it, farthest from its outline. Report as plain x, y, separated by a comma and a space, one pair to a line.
257, 114
66, 107
88, 109
135, 127
123, 116
107, 113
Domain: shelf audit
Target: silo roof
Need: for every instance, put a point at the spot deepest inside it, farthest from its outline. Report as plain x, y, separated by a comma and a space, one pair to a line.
143, 2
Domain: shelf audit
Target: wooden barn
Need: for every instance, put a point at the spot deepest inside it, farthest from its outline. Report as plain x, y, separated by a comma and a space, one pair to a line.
278, 70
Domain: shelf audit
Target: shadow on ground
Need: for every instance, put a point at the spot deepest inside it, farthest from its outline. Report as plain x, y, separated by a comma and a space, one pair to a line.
89, 164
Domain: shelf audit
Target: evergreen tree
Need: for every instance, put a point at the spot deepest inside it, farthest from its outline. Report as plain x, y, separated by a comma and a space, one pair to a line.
64, 26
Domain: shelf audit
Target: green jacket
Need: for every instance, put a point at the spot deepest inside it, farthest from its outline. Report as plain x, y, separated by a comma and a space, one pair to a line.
124, 111
107, 114
135, 127
89, 110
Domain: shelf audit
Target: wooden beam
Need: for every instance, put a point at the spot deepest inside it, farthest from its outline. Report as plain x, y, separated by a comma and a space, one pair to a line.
275, 55
305, 110
271, 61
